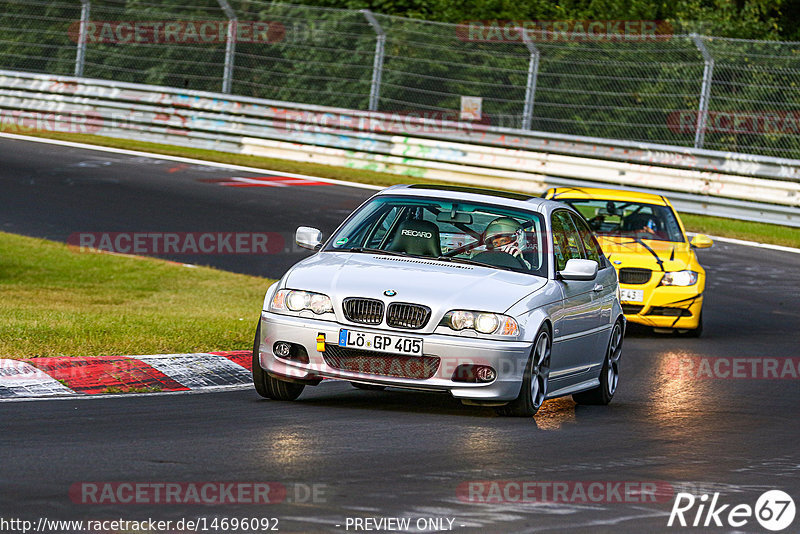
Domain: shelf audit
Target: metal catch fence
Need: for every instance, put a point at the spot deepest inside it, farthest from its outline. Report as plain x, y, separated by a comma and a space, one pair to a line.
685, 90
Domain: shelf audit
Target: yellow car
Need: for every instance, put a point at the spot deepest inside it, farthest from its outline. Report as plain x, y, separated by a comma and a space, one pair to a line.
661, 282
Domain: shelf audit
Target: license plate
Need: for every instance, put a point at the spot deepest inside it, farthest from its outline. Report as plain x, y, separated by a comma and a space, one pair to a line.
353, 339
631, 295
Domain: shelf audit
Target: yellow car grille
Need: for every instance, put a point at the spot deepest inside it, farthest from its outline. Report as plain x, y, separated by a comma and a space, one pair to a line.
632, 275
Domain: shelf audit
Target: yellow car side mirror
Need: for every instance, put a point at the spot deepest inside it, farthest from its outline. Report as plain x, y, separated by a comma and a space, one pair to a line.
702, 241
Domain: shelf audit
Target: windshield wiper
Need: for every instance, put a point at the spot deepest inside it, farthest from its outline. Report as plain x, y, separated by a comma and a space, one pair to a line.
473, 262
369, 250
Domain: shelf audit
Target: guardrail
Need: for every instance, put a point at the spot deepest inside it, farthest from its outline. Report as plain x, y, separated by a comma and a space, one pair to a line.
743, 186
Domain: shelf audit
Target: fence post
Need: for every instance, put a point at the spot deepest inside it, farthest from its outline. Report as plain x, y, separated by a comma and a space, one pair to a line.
80, 60
705, 91
377, 65
533, 74
230, 45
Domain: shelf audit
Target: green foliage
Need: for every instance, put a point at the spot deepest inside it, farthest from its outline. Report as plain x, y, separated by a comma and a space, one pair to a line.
745, 19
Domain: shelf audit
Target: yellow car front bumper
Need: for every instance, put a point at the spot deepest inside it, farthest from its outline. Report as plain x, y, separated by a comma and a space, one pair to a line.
665, 306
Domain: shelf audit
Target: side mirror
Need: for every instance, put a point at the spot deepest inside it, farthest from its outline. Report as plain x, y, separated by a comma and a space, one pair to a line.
579, 270
701, 241
309, 238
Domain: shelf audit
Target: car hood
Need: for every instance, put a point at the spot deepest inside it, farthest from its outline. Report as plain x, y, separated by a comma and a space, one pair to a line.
646, 253
439, 285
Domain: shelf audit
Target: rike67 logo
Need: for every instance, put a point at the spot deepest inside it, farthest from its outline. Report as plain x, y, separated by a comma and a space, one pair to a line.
774, 510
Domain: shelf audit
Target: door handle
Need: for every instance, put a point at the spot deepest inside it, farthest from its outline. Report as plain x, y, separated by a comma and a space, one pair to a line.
597, 288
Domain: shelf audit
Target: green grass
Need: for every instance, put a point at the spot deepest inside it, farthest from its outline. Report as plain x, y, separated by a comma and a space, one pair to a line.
749, 231
57, 301
761, 232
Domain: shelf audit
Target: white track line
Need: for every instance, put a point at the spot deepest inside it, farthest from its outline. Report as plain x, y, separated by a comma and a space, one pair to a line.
304, 176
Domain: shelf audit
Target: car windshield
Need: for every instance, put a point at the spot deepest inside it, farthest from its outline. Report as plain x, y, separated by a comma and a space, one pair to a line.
447, 230
629, 219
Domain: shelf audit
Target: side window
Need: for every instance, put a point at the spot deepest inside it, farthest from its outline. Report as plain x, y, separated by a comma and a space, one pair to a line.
566, 241
590, 245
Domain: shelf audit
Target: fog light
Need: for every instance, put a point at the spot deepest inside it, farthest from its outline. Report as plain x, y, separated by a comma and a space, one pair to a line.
473, 373
282, 349
485, 374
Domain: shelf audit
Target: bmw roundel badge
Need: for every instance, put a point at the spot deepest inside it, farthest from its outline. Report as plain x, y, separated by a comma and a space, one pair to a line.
390, 292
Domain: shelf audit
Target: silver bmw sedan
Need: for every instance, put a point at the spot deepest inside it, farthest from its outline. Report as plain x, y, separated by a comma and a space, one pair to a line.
496, 298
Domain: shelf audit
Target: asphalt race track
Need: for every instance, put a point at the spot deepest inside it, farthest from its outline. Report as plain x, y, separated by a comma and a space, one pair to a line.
54, 192
394, 454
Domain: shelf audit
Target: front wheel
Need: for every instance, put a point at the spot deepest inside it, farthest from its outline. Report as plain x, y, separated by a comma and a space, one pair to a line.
535, 380
268, 386
609, 375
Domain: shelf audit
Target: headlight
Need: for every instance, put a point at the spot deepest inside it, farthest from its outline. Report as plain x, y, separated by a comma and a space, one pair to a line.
291, 299
483, 322
459, 320
298, 300
486, 323
320, 304
679, 278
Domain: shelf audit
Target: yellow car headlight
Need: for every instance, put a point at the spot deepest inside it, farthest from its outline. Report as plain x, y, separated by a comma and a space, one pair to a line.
679, 278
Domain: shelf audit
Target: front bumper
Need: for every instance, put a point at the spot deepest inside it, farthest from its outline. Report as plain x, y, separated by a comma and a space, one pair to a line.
508, 358
665, 306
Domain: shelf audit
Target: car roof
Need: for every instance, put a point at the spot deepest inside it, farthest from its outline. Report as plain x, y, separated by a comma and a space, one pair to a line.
474, 194
575, 193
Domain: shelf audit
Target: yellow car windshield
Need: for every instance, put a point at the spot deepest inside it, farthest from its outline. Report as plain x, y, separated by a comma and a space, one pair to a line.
629, 219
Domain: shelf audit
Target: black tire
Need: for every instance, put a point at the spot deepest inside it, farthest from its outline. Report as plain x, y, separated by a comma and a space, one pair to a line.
268, 386
609, 374
537, 373
367, 387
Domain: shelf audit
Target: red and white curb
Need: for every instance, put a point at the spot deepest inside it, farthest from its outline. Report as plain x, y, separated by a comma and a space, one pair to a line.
94, 375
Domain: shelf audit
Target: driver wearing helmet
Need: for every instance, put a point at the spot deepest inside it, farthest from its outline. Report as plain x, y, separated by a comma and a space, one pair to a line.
505, 234
641, 223
646, 225
650, 227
